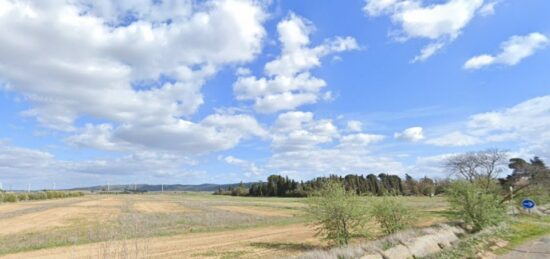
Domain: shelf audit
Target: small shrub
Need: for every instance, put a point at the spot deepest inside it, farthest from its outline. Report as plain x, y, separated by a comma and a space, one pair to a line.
336, 213
37, 196
391, 214
22, 197
477, 206
10, 197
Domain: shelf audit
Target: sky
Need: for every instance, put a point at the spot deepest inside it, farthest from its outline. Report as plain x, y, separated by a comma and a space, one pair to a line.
223, 91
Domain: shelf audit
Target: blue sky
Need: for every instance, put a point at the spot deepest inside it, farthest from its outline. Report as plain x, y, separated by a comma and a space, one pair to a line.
227, 90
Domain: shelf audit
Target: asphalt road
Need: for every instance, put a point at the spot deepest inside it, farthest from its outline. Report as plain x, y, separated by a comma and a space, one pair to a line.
536, 249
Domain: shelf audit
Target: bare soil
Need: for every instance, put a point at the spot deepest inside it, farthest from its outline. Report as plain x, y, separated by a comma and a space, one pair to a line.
246, 243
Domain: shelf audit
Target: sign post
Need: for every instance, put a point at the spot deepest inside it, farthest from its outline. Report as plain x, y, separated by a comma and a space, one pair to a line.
528, 204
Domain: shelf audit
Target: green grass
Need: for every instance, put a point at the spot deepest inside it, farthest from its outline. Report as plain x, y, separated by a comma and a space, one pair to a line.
284, 246
524, 229
516, 231
222, 255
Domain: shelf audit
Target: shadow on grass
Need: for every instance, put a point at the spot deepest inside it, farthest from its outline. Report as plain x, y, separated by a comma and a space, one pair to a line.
284, 246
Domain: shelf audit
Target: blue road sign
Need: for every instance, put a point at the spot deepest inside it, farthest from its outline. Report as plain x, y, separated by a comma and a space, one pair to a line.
528, 204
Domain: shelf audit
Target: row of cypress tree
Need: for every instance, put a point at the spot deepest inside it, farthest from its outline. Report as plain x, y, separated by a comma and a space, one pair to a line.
380, 185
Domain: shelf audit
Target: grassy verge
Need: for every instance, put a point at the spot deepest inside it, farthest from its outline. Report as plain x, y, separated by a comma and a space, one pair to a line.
524, 229
515, 231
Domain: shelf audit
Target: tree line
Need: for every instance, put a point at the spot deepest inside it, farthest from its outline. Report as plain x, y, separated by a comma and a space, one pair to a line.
369, 185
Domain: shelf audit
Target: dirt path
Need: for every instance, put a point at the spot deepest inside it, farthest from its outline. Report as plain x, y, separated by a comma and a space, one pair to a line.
535, 249
247, 243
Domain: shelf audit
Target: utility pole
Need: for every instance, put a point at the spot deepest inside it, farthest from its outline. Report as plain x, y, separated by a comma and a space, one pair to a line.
29, 188
108, 187
162, 188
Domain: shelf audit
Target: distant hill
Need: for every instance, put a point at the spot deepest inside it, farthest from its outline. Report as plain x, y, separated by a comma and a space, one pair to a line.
207, 187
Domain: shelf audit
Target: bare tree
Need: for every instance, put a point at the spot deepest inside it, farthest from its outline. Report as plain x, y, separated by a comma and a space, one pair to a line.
481, 166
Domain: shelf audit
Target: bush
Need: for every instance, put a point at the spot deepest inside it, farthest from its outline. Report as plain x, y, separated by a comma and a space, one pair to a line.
391, 214
37, 196
336, 213
22, 197
10, 197
477, 206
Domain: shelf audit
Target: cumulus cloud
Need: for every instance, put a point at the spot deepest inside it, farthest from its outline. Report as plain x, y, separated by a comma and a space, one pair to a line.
526, 124
20, 165
441, 23
302, 143
515, 49
456, 139
354, 126
214, 133
431, 166
488, 8
249, 168
289, 83
300, 131
137, 66
360, 140
413, 134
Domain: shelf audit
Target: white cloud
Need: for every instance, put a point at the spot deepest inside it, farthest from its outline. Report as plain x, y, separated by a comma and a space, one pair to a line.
430, 166
103, 64
354, 126
456, 139
360, 140
249, 168
428, 51
488, 8
441, 22
243, 71
305, 147
307, 164
19, 166
413, 134
23, 159
299, 131
527, 124
214, 133
289, 83
515, 49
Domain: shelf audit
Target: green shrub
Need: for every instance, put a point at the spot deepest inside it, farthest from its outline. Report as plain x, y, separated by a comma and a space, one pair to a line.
10, 197
477, 206
22, 197
391, 214
336, 213
37, 196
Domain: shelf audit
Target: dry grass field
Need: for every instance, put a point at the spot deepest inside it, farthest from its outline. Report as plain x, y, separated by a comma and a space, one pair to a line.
175, 225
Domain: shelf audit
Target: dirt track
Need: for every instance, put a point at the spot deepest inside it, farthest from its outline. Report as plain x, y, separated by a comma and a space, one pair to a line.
248, 243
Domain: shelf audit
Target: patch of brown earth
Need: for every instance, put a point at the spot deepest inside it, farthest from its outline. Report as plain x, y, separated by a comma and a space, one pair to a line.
199, 245
260, 211
159, 207
97, 210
